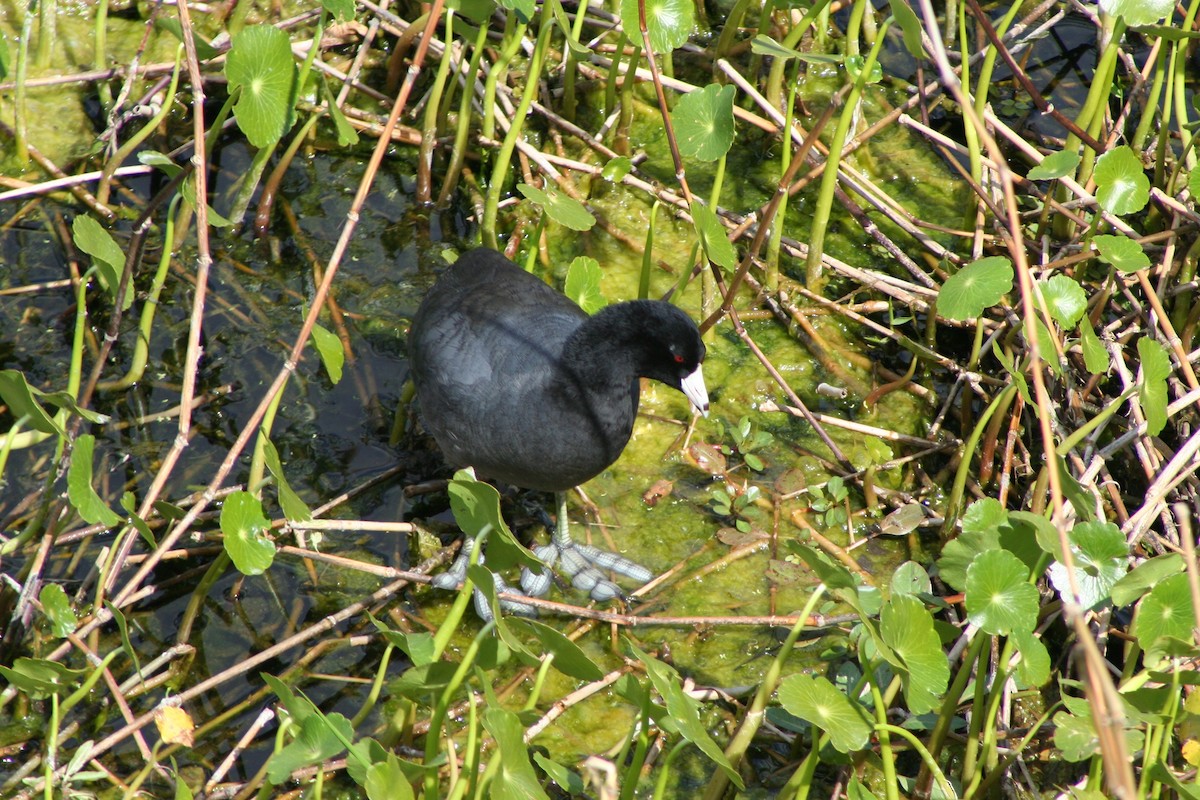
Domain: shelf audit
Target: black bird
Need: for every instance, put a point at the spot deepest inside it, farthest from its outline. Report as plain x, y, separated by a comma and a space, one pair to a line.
517, 381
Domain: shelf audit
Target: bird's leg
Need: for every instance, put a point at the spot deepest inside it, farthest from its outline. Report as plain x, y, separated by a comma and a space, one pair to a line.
456, 574
582, 563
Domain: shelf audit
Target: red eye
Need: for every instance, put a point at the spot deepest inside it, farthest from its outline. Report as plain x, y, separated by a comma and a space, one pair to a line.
678, 358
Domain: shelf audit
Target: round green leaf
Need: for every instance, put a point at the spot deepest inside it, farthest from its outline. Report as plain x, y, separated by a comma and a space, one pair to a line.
1029, 536
1164, 613
907, 627
999, 597
1055, 165
985, 514
1138, 12
1123, 253
1101, 559
583, 284
818, 702
704, 122
854, 66
1121, 184
1034, 666
960, 551
523, 8
669, 22
617, 168
260, 64
245, 528
973, 288
1075, 736
1066, 299
910, 578
386, 781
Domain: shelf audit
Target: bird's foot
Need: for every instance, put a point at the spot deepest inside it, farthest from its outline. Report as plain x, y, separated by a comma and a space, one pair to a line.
585, 566
456, 574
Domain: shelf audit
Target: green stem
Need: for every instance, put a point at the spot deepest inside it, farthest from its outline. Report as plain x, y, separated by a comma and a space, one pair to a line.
376, 689
6, 448
141, 346
647, 253
449, 626
799, 785
886, 755
47, 31
775, 76
254, 479
926, 757
569, 71
513, 33
215, 570
730, 28
625, 117
614, 75
84, 689
1103, 416
100, 56
974, 151
472, 750
854, 28
754, 715
1091, 116
824, 206
458, 154
20, 112
664, 771
1036, 730
1147, 120
774, 243
51, 751
433, 110
946, 714
442, 707
1181, 73
505, 153
964, 466
633, 766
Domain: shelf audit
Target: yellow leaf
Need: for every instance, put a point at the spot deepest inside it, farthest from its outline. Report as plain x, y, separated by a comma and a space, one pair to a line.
175, 726
1191, 752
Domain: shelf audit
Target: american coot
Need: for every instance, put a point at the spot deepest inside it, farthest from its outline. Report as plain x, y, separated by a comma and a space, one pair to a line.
520, 383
